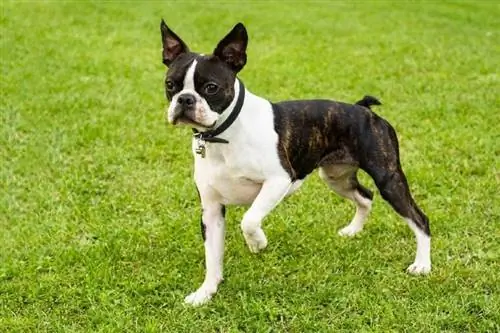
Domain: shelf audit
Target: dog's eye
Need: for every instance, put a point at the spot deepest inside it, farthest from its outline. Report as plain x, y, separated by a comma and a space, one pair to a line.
211, 89
170, 85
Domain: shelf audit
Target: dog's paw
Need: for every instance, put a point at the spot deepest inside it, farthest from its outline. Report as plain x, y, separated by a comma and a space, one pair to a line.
350, 230
257, 241
199, 297
419, 268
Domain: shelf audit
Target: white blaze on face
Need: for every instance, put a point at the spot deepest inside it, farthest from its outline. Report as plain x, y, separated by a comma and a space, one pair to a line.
203, 115
189, 80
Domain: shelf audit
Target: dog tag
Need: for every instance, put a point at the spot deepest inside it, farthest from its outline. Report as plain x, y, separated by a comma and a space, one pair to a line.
200, 147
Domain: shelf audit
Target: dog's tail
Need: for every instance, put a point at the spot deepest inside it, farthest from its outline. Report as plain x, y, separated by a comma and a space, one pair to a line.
368, 101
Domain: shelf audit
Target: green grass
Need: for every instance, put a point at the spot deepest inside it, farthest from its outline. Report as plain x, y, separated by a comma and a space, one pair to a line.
99, 218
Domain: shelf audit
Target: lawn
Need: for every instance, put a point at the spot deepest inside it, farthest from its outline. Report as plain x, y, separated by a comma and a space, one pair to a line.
99, 216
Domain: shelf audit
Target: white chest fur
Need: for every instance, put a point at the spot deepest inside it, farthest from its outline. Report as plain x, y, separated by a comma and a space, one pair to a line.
229, 181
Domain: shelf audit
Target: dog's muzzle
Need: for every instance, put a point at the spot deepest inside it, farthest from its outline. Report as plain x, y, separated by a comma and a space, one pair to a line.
185, 107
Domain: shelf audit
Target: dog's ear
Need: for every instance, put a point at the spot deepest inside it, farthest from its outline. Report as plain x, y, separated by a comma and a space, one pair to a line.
173, 46
232, 48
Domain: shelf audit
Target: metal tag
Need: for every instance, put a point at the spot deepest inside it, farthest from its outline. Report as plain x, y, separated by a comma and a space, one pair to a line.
200, 147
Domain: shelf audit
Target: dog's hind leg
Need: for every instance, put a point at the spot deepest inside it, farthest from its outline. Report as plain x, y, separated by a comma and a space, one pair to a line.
382, 163
394, 189
343, 180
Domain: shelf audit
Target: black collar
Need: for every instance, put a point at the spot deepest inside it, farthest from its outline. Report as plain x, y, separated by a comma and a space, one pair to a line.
210, 136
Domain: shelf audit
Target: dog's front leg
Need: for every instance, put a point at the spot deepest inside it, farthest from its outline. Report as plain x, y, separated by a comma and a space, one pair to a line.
212, 227
272, 192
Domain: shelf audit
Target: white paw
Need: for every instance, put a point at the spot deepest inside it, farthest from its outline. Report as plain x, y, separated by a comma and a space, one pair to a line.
199, 297
257, 241
419, 268
350, 230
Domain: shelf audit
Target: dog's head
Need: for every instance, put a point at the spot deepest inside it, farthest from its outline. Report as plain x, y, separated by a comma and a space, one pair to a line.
200, 87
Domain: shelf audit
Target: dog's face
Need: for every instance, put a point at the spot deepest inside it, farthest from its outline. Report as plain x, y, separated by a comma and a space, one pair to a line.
201, 87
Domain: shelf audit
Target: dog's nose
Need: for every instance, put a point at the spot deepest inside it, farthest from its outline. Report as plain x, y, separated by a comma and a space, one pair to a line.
186, 100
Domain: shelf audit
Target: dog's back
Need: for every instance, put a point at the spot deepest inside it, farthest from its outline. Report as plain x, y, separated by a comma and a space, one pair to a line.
315, 132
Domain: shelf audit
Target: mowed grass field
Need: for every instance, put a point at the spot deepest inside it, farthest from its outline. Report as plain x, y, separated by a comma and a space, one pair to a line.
99, 216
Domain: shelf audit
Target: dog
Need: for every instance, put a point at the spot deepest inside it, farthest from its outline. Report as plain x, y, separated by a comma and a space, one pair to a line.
250, 151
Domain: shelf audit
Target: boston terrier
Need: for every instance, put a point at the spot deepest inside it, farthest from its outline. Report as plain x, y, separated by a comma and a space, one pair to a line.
250, 151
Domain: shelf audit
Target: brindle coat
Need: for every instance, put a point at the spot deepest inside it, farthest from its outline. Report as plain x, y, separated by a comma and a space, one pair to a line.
327, 134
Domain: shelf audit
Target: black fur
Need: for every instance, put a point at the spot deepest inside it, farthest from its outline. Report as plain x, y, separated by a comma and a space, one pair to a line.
211, 70
203, 230
312, 132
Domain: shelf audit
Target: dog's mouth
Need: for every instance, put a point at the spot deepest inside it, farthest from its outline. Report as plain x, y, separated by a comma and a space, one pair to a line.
183, 119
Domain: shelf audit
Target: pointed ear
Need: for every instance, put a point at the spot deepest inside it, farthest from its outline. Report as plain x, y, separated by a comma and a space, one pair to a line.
232, 48
173, 46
